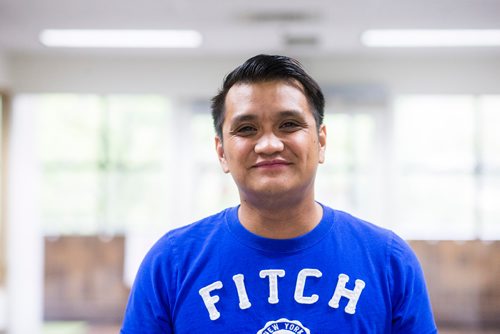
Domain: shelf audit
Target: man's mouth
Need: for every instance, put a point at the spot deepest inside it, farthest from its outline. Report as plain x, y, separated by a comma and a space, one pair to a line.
271, 163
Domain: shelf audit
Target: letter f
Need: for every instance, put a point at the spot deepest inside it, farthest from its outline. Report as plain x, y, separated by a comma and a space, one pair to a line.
211, 300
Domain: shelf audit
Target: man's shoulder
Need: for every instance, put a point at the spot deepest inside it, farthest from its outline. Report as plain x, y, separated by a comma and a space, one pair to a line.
205, 225
374, 237
198, 232
349, 223
357, 233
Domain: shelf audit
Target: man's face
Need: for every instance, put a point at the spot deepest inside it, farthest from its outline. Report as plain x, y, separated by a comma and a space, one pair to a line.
271, 144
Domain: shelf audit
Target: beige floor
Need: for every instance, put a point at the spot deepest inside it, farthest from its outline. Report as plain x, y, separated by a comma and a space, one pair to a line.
469, 331
78, 327
81, 328
104, 330
115, 329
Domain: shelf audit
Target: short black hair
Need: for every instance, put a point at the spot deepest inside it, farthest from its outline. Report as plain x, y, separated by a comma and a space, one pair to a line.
263, 68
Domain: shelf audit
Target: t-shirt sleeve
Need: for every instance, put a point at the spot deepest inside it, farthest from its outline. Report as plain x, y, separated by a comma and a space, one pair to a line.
411, 308
148, 309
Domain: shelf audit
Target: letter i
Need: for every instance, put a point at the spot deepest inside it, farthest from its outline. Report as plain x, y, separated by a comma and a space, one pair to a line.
239, 281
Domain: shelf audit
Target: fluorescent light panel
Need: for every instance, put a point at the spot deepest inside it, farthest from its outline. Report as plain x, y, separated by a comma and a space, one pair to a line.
75, 38
431, 38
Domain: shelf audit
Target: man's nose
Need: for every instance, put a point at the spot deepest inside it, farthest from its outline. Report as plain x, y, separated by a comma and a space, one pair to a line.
269, 144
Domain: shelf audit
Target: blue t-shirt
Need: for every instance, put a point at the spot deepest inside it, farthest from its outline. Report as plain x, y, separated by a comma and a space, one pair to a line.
344, 276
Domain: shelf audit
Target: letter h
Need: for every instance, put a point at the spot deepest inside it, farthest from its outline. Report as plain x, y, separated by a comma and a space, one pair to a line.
352, 295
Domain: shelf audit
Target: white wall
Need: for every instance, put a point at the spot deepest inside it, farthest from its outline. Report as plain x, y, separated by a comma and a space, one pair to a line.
3, 297
464, 74
201, 77
174, 77
24, 236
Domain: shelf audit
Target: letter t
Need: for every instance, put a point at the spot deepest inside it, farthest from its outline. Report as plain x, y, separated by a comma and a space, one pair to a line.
273, 275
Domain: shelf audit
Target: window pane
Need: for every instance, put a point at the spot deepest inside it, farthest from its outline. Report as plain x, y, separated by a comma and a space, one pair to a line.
490, 208
347, 178
104, 162
435, 132
203, 134
212, 190
138, 130
67, 128
134, 201
490, 157
69, 201
137, 159
428, 206
490, 134
68, 145
435, 158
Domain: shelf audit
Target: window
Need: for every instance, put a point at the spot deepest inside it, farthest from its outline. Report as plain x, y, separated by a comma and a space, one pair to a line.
104, 162
211, 189
353, 177
347, 178
447, 171
488, 168
428, 169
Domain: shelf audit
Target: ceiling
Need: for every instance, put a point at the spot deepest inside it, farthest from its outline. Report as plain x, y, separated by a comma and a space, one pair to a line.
316, 28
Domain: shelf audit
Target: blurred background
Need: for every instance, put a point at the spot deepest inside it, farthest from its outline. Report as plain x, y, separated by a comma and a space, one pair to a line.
105, 148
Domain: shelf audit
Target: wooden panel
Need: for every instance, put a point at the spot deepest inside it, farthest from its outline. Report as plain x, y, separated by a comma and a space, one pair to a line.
84, 279
463, 279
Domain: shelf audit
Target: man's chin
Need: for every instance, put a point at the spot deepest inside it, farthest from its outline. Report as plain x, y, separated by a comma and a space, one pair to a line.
274, 194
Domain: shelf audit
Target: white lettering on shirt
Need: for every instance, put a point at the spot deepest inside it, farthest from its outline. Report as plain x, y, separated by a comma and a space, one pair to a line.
273, 275
301, 283
239, 281
210, 300
352, 295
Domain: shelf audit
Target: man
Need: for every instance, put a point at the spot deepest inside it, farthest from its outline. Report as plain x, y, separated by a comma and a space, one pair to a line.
280, 262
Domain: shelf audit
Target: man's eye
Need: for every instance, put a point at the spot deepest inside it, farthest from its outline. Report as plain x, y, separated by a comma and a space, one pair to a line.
290, 125
245, 130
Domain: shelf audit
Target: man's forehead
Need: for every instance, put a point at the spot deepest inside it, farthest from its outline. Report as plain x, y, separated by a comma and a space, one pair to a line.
249, 92
285, 81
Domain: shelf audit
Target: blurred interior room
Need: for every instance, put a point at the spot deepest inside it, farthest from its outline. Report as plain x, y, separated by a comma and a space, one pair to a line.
107, 145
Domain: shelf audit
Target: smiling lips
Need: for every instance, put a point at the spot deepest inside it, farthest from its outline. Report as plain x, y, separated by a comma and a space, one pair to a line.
275, 163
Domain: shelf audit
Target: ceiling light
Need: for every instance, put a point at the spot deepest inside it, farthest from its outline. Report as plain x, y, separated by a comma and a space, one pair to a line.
430, 38
74, 38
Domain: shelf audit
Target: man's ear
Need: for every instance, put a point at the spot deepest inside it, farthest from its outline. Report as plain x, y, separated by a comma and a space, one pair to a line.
220, 154
322, 143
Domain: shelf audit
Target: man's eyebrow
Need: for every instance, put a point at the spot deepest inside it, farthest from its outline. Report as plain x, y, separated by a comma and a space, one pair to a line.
243, 118
291, 113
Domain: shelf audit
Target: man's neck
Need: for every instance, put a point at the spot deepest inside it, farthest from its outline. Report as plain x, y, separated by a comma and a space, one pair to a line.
280, 221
